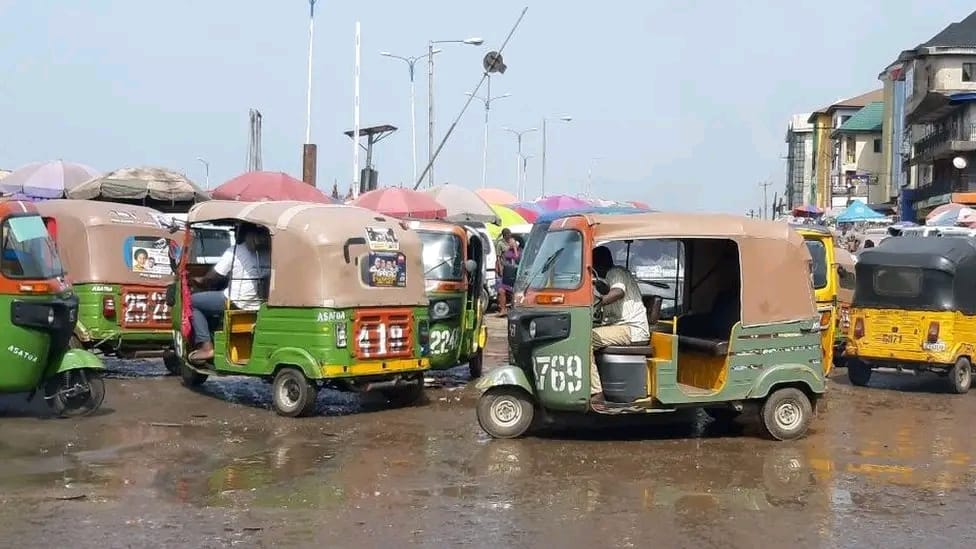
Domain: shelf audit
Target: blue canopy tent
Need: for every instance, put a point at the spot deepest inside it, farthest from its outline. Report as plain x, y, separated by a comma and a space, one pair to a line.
857, 212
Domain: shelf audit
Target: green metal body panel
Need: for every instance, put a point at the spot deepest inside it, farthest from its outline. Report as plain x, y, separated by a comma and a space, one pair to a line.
759, 359
291, 336
94, 328
454, 341
28, 359
506, 375
79, 359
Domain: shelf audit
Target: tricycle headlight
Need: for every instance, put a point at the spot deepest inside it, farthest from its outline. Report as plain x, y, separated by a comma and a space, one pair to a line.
532, 328
340, 335
50, 316
441, 309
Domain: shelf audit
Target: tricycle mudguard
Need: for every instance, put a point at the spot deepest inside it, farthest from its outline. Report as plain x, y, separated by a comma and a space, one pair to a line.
79, 359
505, 375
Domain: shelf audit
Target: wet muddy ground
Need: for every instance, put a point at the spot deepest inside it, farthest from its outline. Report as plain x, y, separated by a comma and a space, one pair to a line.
892, 465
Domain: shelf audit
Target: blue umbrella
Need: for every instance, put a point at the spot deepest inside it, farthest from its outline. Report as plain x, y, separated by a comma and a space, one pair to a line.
858, 211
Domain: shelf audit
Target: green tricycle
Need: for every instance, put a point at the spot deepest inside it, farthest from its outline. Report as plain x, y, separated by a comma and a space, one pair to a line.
38, 311
454, 263
744, 331
339, 303
119, 261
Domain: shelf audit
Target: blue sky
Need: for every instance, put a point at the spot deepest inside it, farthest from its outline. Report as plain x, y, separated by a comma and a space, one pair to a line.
685, 103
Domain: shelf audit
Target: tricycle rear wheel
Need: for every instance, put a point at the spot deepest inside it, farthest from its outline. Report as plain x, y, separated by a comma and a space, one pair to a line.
75, 393
786, 414
961, 376
293, 394
505, 412
476, 364
172, 362
858, 372
407, 395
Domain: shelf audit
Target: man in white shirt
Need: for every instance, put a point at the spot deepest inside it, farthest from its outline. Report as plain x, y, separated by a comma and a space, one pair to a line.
245, 264
624, 310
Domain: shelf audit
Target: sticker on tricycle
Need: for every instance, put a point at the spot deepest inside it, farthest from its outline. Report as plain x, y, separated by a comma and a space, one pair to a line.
386, 270
382, 239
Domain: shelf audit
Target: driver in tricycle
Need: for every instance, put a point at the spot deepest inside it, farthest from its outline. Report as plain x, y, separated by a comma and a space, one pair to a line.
624, 314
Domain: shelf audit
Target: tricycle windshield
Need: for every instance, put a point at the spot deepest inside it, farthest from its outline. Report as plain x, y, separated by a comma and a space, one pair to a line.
442, 256
28, 251
559, 262
819, 254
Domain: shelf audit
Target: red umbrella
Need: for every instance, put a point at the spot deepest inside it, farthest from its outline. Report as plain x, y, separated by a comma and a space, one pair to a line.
402, 203
529, 214
262, 186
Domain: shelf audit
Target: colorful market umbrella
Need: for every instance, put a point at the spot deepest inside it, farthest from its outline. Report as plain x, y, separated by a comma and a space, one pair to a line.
858, 211
265, 186
561, 202
496, 196
807, 210
507, 217
952, 208
402, 203
462, 204
639, 204
528, 214
46, 179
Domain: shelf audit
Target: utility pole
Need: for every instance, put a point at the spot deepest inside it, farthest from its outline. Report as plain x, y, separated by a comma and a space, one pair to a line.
765, 204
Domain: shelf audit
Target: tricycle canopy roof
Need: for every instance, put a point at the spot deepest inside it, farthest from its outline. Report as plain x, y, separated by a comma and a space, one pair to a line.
954, 255
944, 269
438, 226
774, 261
98, 241
319, 252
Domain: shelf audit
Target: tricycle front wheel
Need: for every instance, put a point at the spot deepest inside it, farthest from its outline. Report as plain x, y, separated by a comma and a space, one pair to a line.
505, 412
75, 392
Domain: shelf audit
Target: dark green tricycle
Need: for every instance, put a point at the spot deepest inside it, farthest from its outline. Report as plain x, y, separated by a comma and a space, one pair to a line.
118, 258
340, 304
38, 311
454, 265
744, 330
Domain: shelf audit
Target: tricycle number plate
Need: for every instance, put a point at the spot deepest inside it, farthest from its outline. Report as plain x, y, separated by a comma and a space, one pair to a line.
891, 338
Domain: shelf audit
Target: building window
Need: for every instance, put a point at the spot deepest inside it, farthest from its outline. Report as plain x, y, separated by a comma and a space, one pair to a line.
850, 147
969, 72
877, 145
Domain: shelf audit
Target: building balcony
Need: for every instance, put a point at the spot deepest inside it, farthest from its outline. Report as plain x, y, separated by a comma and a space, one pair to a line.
941, 191
945, 142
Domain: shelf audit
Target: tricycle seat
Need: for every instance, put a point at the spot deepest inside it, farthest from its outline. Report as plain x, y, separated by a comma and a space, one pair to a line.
638, 348
716, 347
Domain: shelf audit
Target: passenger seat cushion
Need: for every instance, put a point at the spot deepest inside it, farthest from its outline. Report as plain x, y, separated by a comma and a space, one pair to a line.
716, 347
640, 348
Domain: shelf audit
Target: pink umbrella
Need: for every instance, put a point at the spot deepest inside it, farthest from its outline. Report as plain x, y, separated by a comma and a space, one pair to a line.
261, 186
941, 211
639, 204
561, 202
496, 196
402, 203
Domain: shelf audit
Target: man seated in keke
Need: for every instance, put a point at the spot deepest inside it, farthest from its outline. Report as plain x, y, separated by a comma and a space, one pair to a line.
243, 266
623, 307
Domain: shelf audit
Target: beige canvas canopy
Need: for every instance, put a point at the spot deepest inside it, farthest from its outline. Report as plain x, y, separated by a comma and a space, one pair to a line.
774, 261
102, 242
321, 254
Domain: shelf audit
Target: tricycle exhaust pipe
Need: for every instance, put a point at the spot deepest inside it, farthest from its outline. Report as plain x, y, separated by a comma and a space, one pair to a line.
386, 385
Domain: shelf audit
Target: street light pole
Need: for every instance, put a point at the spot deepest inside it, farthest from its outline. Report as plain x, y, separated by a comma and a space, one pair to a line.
206, 171
411, 66
487, 100
561, 119
589, 176
308, 95
430, 98
519, 161
525, 165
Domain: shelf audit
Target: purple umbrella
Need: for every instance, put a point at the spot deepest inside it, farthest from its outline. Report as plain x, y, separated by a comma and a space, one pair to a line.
46, 179
561, 202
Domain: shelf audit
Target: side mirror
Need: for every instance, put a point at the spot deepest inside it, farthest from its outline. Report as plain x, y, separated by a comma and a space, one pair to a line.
470, 265
841, 270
